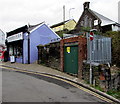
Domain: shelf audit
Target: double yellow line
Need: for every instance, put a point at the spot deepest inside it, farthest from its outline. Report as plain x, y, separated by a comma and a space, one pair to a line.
69, 82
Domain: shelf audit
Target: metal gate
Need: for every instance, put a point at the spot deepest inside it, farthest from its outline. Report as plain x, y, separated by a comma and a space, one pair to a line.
71, 59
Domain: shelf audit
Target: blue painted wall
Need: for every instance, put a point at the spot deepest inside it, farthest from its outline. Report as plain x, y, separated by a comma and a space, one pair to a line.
25, 48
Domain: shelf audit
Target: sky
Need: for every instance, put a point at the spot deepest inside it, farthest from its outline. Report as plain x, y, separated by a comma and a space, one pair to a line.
17, 13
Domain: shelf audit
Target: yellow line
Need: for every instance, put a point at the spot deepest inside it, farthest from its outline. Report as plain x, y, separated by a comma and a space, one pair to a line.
78, 86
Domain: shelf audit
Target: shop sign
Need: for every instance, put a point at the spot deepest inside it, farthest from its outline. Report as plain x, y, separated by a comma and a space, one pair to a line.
15, 37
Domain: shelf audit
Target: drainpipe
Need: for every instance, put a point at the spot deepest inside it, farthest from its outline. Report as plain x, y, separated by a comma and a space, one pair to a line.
28, 47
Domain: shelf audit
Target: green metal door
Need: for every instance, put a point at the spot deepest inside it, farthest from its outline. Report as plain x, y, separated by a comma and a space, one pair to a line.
71, 59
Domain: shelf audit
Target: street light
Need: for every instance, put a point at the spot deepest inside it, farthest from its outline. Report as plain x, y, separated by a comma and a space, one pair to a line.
69, 11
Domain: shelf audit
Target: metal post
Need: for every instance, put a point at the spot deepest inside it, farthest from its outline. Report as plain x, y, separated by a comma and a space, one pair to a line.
63, 16
90, 61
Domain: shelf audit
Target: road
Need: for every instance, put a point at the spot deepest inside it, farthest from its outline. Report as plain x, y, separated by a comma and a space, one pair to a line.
23, 87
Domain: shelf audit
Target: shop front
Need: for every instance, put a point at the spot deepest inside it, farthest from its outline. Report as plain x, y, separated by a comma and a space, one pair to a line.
16, 50
15, 47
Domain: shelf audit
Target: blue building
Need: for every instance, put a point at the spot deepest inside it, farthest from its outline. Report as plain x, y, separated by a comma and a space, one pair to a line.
22, 42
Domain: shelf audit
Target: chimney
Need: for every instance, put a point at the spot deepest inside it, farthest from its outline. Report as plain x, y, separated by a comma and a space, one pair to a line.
86, 5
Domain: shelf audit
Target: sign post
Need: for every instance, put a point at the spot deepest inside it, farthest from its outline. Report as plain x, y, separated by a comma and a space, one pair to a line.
91, 38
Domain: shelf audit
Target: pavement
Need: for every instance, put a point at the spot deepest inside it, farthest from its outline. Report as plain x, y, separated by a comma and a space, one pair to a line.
43, 69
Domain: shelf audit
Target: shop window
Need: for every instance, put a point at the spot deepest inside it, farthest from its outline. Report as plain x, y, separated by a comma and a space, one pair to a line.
15, 50
19, 51
10, 50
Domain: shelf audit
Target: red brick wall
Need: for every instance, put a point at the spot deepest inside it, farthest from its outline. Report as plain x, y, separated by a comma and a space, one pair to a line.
82, 53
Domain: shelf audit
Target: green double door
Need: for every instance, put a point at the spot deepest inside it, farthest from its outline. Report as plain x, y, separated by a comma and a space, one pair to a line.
71, 59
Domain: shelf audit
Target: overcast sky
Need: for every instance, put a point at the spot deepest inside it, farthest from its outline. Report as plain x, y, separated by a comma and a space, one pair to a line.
17, 13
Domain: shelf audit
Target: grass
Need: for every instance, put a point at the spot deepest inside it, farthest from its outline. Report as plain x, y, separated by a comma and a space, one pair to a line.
114, 93
98, 88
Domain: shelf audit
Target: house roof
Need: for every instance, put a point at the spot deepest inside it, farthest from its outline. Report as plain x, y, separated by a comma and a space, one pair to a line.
31, 27
104, 20
18, 30
61, 23
23, 29
58, 24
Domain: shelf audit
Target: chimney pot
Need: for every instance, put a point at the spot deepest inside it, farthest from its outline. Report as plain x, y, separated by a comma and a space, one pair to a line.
86, 5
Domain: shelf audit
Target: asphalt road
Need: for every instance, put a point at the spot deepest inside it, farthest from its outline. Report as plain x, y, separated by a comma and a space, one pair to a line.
22, 87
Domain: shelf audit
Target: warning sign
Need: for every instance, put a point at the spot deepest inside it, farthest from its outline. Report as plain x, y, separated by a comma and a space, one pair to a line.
68, 49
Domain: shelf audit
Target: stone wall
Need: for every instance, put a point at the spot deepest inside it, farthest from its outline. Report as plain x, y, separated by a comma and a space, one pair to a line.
102, 77
49, 55
115, 82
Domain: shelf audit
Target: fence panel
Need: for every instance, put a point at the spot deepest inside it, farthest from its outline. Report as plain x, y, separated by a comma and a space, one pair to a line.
99, 49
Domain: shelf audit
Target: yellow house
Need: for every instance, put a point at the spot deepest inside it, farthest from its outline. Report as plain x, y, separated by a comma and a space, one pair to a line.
66, 25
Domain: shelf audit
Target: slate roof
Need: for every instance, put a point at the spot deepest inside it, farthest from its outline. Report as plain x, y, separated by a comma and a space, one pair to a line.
18, 30
31, 27
58, 24
104, 20
23, 29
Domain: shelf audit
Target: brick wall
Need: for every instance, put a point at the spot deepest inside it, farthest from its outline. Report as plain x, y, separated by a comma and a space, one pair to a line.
82, 51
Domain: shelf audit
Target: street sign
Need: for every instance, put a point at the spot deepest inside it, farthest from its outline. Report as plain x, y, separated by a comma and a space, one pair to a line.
91, 36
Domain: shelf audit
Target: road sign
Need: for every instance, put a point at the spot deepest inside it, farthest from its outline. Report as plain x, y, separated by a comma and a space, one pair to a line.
91, 36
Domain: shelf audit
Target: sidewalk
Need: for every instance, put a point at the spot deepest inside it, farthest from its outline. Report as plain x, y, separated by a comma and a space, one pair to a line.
40, 68
43, 69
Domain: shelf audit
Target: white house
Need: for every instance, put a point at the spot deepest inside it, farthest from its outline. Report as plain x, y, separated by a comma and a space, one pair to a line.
2, 37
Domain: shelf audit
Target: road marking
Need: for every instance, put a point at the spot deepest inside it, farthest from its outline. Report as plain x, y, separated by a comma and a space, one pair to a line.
75, 85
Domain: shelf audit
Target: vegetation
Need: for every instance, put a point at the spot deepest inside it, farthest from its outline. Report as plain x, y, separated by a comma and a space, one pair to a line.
114, 93
115, 46
98, 88
85, 29
60, 33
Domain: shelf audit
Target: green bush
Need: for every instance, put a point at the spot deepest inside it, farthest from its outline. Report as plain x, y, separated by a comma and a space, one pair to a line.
115, 46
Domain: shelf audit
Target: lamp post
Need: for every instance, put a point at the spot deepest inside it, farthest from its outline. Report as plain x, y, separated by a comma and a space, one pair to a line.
70, 10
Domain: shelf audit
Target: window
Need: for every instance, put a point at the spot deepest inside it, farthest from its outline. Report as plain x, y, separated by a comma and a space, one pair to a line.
86, 21
90, 22
81, 23
95, 22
